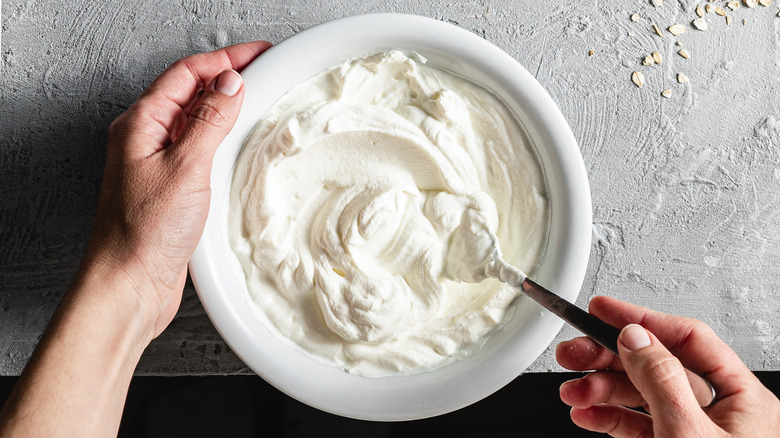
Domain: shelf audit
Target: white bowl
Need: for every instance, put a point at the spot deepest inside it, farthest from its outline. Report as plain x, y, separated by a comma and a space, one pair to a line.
221, 284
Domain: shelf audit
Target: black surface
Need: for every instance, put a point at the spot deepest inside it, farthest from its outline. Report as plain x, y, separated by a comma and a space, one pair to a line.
246, 406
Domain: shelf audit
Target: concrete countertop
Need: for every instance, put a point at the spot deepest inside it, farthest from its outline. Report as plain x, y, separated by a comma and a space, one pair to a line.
686, 189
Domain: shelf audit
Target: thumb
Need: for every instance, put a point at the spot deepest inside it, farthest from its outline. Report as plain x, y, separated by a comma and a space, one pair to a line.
212, 116
660, 378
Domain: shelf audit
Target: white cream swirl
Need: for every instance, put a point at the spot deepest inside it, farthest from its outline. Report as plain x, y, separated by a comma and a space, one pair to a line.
364, 206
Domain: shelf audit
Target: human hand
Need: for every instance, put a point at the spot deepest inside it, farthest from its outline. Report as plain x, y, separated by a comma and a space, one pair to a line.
155, 193
649, 375
151, 212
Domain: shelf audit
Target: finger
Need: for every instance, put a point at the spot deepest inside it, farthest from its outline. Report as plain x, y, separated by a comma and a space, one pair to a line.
693, 341
601, 387
181, 81
616, 421
158, 117
660, 378
211, 118
584, 354
140, 131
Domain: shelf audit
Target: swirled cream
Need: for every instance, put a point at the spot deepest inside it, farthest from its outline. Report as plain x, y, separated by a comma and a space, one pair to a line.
365, 205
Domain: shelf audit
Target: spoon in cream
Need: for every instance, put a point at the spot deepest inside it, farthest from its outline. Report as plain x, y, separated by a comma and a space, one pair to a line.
480, 258
596, 329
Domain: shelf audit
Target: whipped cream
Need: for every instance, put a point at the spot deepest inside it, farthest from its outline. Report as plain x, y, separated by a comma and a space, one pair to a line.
367, 204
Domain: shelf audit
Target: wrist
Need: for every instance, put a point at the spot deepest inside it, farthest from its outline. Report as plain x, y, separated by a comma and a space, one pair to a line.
110, 296
85, 360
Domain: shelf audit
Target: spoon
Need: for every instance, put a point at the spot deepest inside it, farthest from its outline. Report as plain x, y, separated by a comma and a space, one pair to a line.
596, 329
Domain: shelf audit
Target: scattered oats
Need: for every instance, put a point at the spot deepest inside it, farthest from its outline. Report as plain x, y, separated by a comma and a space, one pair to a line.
638, 79
679, 43
635, 18
700, 24
676, 29
648, 60
765, 2
733, 5
700, 11
751, 3
656, 57
720, 11
476, 15
658, 3
744, 22
728, 20
681, 78
658, 31
684, 53
590, 52
708, 8
666, 93
631, 34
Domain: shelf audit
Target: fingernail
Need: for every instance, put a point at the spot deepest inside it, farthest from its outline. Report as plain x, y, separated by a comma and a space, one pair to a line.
634, 337
228, 82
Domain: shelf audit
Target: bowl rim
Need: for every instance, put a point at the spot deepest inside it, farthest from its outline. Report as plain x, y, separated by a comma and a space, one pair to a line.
521, 341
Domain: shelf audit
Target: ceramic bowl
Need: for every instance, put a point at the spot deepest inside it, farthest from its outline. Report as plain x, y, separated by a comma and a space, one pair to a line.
221, 284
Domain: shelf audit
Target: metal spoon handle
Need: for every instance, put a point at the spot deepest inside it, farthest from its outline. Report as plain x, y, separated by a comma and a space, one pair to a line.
603, 333
596, 329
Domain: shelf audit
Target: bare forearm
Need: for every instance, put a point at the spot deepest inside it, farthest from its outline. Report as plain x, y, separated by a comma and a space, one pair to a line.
153, 204
77, 380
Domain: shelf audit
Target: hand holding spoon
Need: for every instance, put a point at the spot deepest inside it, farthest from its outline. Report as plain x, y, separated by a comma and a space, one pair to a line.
480, 257
596, 329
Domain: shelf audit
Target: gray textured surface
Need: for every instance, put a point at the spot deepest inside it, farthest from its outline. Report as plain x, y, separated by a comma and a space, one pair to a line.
686, 190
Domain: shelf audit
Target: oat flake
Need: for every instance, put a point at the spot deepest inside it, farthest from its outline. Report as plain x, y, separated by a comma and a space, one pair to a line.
676, 29
700, 24
638, 79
